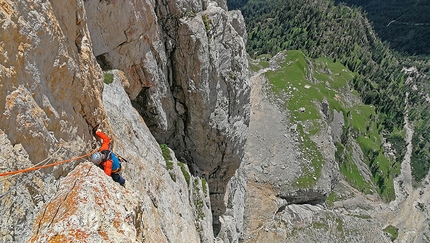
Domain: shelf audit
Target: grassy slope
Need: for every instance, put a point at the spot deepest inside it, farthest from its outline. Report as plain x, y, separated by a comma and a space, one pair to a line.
320, 28
300, 82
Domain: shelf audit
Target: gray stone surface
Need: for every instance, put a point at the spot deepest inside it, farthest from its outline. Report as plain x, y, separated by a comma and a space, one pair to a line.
22, 196
214, 89
181, 211
276, 210
184, 66
50, 97
188, 77
157, 205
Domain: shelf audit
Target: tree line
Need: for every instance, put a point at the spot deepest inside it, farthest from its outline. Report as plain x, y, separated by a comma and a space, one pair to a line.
344, 34
404, 24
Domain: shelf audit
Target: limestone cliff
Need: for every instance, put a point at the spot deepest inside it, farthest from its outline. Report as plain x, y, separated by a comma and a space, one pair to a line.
187, 69
173, 73
157, 205
183, 64
50, 81
50, 97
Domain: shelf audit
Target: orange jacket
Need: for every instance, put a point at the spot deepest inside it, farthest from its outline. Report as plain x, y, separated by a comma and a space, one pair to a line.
107, 165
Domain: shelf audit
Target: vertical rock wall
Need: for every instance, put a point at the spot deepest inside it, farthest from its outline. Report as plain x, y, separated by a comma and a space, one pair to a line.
169, 204
214, 90
187, 70
49, 90
21, 196
160, 203
50, 97
187, 75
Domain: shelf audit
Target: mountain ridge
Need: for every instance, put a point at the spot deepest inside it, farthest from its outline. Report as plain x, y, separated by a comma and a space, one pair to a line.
300, 156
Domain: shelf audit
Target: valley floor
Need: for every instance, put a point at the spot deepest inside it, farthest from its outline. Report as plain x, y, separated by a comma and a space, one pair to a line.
266, 218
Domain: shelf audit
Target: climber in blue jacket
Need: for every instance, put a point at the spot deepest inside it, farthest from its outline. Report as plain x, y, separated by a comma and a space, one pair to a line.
106, 159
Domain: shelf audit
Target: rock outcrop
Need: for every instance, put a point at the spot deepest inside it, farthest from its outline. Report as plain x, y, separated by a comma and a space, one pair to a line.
188, 77
88, 207
50, 90
22, 196
50, 97
184, 66
179, 204
159, 204
278, 207
215, 88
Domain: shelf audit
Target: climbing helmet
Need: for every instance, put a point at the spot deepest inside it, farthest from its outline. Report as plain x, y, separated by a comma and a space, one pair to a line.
96, 158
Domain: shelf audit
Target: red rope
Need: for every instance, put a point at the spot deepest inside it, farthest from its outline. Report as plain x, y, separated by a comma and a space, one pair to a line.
45, 166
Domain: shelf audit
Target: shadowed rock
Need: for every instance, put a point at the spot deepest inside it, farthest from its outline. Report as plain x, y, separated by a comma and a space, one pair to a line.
188, 77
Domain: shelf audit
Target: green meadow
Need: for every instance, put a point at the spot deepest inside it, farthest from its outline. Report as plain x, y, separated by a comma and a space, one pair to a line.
299, 84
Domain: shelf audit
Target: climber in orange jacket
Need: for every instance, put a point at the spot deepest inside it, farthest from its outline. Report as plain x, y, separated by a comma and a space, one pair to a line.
106, 159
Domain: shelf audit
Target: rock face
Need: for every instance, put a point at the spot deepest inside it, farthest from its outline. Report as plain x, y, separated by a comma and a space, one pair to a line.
22, 196
219, 96
49, 92
157, 205
277, 208
50, 97
187, 69
88, 207
179, 204
184, 66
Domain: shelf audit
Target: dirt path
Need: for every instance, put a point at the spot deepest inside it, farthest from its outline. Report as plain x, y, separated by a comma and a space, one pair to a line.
409, 212
403, 183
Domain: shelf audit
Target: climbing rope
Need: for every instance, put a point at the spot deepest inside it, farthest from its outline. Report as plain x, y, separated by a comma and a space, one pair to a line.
11, 174
45, 161
48, 165
41, 162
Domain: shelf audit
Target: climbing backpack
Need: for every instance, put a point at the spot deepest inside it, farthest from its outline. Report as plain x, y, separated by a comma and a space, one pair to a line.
116, 164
